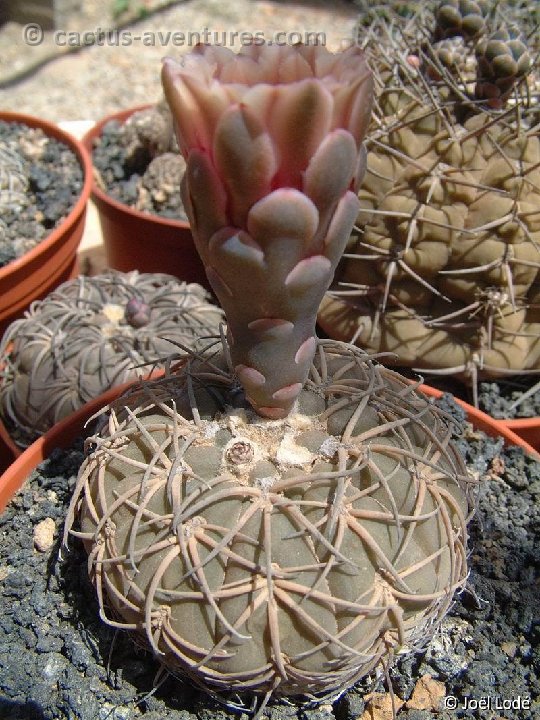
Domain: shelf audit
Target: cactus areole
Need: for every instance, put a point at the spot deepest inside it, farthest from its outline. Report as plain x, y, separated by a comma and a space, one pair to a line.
272, 138
281, 515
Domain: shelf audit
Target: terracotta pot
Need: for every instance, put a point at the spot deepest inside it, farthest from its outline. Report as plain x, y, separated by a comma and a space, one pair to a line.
482, 421
54, 259
136, 240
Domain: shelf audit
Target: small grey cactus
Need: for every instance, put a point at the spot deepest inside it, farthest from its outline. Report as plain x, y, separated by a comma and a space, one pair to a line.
90, 334
148, 132
160, 184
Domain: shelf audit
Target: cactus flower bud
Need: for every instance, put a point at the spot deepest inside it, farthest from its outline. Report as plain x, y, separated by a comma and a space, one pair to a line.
272, 138
137, 312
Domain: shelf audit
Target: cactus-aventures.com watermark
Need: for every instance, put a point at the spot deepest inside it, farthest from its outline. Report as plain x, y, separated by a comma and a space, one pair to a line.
33, 34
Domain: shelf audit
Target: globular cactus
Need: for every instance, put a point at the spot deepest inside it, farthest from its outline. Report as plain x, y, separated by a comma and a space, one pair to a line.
503, 60
282, 515
90, 334
160, 184
282, 557
137, 162
148, 133
443, 268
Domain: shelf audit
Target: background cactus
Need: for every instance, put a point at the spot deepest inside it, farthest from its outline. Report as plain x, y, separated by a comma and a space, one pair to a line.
148, 133
90, 334
285, 557
443, 268
13, 180
285, 515
137, 162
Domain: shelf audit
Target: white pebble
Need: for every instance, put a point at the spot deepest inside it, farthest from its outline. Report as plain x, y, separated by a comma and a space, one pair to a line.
44, 535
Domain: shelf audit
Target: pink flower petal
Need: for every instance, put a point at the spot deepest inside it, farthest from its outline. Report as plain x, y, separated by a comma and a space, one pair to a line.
361, 167
306, 351
300, 120
230, 246
313, 271
340, 227
216, 56
244, 158
272, 413
331, 169
243, 70
271, 326
284, 213
356, 95
293, 67
323, 61
360, 114
287, 393
208, 197
212, 101
185, 109
249, 375
261, 100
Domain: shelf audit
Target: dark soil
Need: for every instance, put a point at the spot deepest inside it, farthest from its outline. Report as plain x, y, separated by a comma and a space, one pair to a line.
495, 397
498, 398
57, 660
125, 177
40, 182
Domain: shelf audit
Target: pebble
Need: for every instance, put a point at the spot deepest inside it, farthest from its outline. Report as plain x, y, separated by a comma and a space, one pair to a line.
44, 535
381, 706
427, 694
509, 648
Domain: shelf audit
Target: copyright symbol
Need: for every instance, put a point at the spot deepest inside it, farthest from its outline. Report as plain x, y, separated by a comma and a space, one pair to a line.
32, 34
450, 702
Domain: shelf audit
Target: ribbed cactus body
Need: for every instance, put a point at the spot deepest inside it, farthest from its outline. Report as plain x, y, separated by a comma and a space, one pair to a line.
90, 334
283, 556
444, 267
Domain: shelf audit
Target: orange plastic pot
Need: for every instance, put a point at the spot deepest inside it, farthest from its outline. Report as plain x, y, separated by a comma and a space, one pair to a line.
482, 421
528, 429
54, 259
136, 240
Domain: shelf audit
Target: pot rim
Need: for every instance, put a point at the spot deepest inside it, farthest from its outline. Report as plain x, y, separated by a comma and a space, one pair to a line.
487, 423
76, 146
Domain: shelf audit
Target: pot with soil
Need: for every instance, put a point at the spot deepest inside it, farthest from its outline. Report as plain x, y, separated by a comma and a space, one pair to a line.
45, 182
137, 192
54, 649
516, 403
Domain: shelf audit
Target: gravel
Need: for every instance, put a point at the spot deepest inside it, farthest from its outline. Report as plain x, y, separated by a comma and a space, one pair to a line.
58, 661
